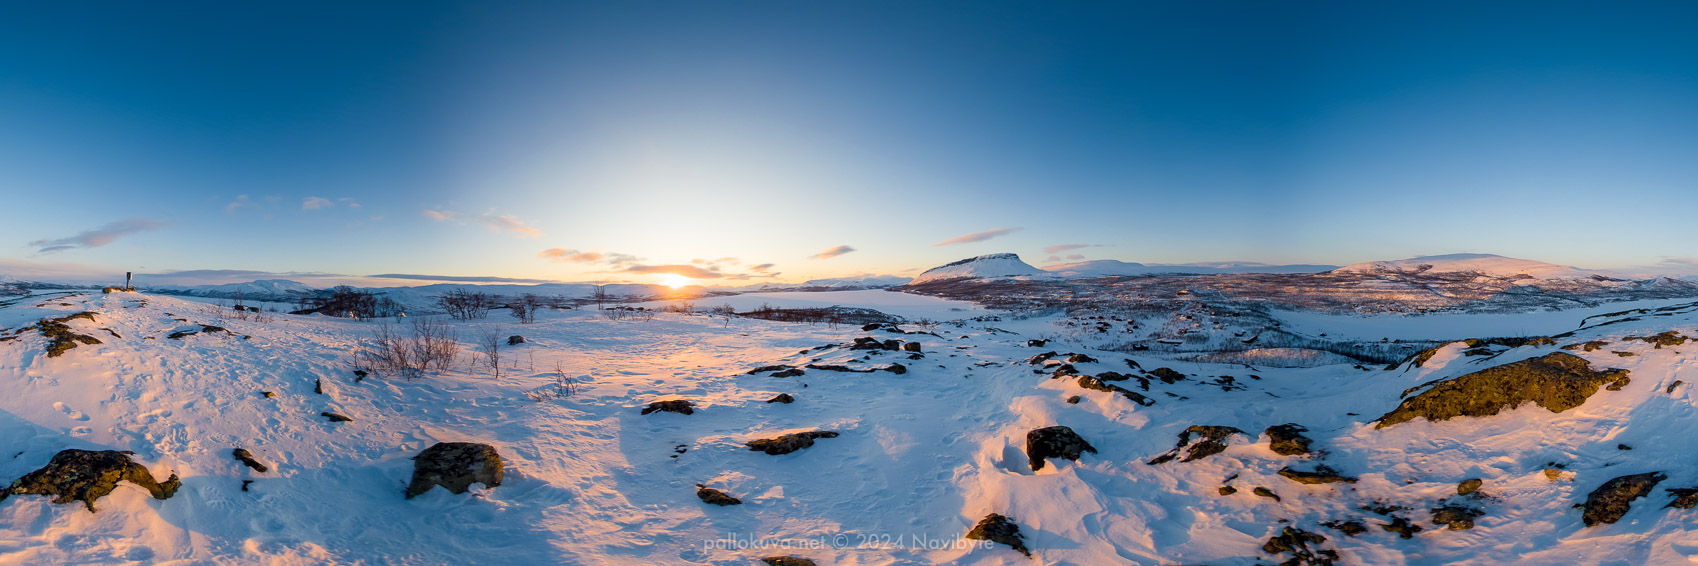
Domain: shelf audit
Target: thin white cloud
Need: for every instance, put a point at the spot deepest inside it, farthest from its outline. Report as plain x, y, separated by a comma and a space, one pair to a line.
499, 223
833, 252
975, 237
242, 201
97, 237
316, 203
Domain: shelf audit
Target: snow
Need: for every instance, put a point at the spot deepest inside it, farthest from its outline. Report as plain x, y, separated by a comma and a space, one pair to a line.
1487, 264
1108, 267
922, 456
899, 304
993, 265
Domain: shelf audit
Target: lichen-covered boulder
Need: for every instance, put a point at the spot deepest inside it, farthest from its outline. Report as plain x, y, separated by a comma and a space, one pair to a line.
1296, 542
455, 466
713, 496
787, 561
997, 528
1557, 381
1054, 442
87, 475
1613, 499
1322, 474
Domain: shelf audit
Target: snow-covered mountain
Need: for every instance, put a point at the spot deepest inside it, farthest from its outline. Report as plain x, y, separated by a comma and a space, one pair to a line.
860, 282
1484, 264
993, 265
260, 290
1110, 267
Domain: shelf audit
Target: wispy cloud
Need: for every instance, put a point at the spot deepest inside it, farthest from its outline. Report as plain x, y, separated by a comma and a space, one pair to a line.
1065, 247
98, 236
976, 237
242, 201
458, 278
833, 252
563, 255
499, 223
690, 271
761, 268
316, 203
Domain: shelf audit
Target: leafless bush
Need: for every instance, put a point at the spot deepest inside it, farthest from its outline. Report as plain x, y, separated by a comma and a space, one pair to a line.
600, 296
430, 346
724, 313
525, 307
562, 387
466, 305
681, 307
489, 343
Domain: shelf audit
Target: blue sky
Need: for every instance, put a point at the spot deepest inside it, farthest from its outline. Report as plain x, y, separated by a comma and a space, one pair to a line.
738, 141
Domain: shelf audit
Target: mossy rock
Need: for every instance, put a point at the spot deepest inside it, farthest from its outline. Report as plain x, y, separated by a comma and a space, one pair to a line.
1613, 499
1349, 528
1557, 381
788, 443
1469, 486
997, 528
680, 406
1265, 492
1402, 527
1669, 338
455, 466
1211, 441
1167, 375
1684, 497
88, 475
60, 338
1288, 439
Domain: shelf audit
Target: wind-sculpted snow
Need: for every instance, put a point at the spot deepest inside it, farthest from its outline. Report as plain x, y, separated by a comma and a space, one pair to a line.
933, 465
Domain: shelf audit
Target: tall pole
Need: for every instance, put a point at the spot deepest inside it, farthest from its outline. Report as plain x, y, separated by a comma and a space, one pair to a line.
127, 281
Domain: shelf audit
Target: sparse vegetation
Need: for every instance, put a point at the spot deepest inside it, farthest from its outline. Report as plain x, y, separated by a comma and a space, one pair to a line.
465, 305
432, 346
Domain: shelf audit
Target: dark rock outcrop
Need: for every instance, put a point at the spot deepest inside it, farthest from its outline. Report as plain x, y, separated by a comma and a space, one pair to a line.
1684, 497
1288, 439
60, 338
1613, 499
455, 466
336, 418
515, 340
767, 368
1349, 528
1211, 440
87, 475
680, 406
787, 561
997, 528
1167, 375
1469, 486
788, 443
1402, 527
1322, 474
1097, 384
247, 458
792, 372
713, 496
782, 398
1054, 442
1265, 492
1557, 381
1456, 517
1296, 542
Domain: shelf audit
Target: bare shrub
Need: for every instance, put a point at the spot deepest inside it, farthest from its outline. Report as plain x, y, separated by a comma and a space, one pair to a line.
430, 346
562, 387
466, 305
489, 341
525, 307
348, 302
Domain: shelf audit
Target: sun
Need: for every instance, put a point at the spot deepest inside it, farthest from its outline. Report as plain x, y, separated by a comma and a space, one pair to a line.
674, 280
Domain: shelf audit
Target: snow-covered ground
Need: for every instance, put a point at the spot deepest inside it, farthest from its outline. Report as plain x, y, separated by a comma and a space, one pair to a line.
899, 304
922, 456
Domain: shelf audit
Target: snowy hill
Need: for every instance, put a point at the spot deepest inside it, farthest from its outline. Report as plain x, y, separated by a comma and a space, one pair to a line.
1110, 267
861, 282
1484, 264
259, 290
993, 265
